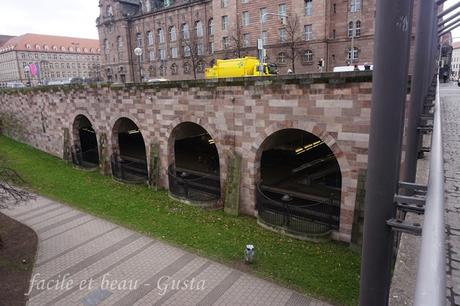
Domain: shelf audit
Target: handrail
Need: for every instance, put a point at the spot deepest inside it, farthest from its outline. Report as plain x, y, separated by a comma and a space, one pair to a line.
431, 273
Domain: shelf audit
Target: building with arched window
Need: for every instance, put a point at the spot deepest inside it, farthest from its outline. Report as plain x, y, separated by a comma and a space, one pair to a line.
186, 32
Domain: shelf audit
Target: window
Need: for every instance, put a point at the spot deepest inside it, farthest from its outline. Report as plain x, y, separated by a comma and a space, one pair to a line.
263, 14
223, 3
358, 28
161, 37
334, 8
224, 23
225, 42
174, 52
149, 38
350, 29
244, 1
352, 54
246, 40
245, 19
173, 69
307, 32
138, 40
172, 33
333, 34
282, 35
109, 11
308, 56
264, 38
211, 47
119, 42
184, 31
211, 27
355, 5
187, 68
199, 29
187, 52
281, 12
162, 54
308, 7
281, 58
106, 46
199, 49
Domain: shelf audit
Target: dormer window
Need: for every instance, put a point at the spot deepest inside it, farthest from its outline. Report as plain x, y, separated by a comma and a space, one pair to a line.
28, 46
62, 48
38, 47
46, 47
55, 48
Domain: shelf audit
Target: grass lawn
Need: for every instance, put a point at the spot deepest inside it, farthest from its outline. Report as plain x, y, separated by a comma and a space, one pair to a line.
329, 270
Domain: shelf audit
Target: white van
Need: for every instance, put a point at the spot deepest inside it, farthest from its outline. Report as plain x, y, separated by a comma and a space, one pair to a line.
351, 68
15, 85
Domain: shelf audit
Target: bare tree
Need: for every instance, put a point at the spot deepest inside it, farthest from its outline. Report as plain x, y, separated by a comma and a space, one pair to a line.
193, 49
237, 38
10, 194
293, 38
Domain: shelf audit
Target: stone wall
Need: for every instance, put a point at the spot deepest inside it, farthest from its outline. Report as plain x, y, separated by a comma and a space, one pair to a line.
239, 114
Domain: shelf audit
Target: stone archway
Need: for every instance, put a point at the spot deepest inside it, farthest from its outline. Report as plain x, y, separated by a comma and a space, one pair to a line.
129, 159
84, 151
194, 166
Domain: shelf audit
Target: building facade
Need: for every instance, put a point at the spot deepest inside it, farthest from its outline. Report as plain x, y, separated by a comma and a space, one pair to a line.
180, 37
56, 58
455, 65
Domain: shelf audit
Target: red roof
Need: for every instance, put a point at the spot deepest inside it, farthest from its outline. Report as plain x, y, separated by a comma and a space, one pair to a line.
49, 43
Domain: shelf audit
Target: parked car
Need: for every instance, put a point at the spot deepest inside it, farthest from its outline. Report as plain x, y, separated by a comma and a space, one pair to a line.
15, 85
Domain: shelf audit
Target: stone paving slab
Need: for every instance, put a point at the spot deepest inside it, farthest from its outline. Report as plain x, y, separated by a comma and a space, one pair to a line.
88, 261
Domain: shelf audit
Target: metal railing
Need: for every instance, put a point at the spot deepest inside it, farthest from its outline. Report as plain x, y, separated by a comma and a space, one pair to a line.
431, 274
85, 159
297, 215
129, 170
190, 185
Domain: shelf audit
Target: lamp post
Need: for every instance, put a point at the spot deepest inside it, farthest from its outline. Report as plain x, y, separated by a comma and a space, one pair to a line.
260, 43
27, 71
138, 52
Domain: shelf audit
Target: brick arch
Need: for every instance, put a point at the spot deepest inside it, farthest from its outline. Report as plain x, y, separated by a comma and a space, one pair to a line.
113, 142
348, 188
205, 124
215, 134
73, 116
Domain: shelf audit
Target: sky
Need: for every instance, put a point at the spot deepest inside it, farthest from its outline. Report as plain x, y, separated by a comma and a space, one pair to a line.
75, 18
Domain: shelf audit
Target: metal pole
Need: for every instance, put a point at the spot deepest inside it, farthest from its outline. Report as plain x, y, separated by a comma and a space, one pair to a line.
448, 10
387, 119
450, 29
431, 272
140, 69
448, 19
448, 25
419, 77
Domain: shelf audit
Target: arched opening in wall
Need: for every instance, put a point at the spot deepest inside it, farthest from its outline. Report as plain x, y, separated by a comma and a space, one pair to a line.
84, 150
300, 184
194, 172
129, 160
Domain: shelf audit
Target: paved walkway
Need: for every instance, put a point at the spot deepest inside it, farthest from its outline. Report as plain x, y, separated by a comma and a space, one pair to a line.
83, 260
450, 102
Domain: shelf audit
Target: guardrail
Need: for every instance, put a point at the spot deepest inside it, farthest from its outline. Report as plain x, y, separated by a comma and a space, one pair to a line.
85, 159
192, 186
431, 273
132, 171
303, 216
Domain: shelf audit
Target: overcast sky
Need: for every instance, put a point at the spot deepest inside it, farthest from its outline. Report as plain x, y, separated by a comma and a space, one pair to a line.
75, 18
